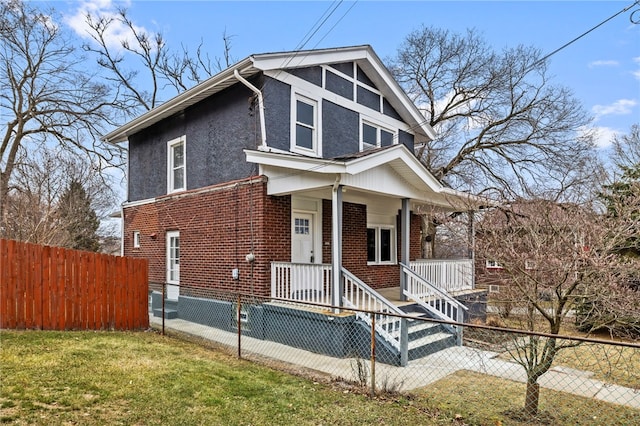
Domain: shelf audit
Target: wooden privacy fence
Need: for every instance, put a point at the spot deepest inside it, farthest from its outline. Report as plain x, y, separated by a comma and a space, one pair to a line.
53, 288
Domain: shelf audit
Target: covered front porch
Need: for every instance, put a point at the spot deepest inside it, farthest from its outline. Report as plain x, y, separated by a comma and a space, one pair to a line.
355, 233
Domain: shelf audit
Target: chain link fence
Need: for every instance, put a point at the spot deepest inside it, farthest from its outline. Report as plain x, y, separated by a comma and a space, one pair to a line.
553, 379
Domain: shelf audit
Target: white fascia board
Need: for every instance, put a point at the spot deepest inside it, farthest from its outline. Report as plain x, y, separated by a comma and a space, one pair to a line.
309, 58
178, 103
390, 83
295, 162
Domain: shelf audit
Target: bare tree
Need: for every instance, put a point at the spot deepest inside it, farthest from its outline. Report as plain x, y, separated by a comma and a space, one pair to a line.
39, 182
626, 149
47, 96
552, 257
143, 66
501, 125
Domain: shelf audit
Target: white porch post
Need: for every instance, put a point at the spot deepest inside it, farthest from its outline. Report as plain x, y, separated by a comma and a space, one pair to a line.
336, 246
406, 243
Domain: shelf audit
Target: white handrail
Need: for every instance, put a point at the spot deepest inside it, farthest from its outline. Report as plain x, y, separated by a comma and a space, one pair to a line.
447, 274
359, 295
304, 282
433, 299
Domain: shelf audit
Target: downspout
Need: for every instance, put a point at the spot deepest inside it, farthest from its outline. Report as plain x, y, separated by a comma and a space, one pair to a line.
254, 89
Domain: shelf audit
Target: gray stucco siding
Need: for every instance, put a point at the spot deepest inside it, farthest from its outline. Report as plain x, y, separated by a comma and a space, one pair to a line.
362, 77
406, 139
311, 74
344, 67
338, 85
390, 111
217, 130
368, 98
277, 113
148, 158
340, 130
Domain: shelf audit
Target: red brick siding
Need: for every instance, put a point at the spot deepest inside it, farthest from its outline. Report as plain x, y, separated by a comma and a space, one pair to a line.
354, 245
218, 227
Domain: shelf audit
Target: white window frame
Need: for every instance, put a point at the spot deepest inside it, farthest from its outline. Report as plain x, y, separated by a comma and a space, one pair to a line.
379, 128
136, 239
493, 264
316, 134
493, 288
170, 166
393, 242
170, 236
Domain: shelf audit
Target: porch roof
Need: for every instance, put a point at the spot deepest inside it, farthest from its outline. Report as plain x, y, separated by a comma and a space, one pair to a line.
392, 172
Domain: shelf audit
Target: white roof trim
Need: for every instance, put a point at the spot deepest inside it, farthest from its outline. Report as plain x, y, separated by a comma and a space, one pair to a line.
398, 158
363, 55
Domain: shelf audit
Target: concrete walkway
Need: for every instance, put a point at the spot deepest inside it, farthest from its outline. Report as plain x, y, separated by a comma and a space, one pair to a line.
418, 373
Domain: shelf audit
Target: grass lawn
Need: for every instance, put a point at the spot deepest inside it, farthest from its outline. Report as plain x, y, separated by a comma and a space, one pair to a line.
89, 378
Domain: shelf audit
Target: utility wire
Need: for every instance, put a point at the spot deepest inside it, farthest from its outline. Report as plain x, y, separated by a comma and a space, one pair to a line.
637, 2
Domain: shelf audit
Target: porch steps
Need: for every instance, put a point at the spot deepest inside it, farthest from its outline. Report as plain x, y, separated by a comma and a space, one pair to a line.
426, 338
170, 310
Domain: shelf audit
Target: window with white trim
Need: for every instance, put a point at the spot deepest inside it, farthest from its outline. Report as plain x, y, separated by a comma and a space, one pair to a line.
136, 239
176, 165
306, 124
493, 264
173, 257
381, 246
374, 136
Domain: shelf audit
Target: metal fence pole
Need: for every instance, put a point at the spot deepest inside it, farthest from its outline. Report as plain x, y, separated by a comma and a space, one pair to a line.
373, 355
164, 286
239, 324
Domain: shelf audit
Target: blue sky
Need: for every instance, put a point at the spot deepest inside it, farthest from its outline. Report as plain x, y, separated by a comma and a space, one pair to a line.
602, 68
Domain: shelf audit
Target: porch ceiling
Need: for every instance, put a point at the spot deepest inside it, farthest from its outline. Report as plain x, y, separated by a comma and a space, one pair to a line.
389, 173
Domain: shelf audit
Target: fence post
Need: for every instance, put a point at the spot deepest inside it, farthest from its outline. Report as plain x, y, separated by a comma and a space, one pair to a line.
459, 328
373, 355
404, 343
164, 287
239, 325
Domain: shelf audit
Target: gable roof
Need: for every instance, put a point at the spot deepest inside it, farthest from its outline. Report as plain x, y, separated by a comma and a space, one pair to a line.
364, 56
390, 171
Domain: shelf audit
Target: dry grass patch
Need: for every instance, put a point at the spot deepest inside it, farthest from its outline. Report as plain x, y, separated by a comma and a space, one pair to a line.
480, 399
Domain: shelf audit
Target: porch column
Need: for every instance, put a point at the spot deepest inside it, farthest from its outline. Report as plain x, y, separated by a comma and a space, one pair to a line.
405, 217
336, 246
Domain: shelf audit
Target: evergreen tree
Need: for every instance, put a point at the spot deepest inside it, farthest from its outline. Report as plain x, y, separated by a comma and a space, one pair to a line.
78, 218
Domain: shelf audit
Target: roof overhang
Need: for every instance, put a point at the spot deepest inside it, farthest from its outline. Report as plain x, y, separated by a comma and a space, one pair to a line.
363, 55
392, 173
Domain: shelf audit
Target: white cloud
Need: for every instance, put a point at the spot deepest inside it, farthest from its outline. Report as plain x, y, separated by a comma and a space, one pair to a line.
603, 63
636, 73
603, 136
619, 107
107, 9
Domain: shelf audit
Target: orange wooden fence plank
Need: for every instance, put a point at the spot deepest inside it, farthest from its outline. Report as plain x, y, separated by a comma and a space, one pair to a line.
20, 285
46, 290
62, 285
54, 288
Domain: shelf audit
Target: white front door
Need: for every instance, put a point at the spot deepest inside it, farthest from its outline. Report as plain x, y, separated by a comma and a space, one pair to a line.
302, 238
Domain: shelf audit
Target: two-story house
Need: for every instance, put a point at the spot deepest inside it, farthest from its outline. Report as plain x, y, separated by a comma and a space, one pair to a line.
292, 176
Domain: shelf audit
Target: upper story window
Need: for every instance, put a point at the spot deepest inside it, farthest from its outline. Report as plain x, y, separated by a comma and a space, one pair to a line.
374, 136
176, 165
136, 239
306, 125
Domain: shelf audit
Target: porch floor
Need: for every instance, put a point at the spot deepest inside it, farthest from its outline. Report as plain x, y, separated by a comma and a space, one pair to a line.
392, 294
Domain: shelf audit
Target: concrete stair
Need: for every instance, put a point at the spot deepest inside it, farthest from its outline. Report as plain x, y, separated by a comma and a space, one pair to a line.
170, 310
426, 338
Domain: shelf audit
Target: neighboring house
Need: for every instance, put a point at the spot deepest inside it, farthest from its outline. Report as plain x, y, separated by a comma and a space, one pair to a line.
293, 176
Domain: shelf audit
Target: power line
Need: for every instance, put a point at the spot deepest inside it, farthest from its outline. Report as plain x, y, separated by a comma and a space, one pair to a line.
637, 2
